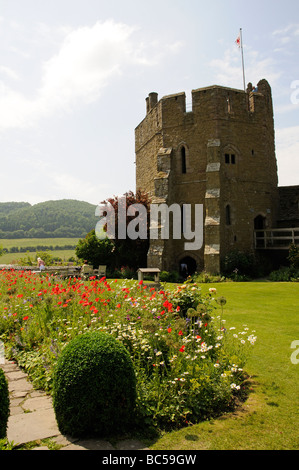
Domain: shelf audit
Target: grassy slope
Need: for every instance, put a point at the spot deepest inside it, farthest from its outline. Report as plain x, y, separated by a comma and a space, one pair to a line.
270, 418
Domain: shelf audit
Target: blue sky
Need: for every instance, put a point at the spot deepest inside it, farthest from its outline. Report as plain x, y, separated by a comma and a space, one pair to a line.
74, 75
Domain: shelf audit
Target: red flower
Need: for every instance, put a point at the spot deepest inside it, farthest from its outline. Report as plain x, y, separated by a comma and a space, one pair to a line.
25, 318
169, 330
180, 333
182, 349
140, 283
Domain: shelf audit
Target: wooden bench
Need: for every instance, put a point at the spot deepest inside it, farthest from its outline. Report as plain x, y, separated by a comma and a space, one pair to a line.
101, 271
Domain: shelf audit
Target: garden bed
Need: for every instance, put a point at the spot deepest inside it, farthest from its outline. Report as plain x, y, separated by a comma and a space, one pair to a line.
188, 366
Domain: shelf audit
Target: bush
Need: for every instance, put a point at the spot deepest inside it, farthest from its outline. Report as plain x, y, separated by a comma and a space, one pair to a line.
294, 256
236, 263
205, 277
172, 276
284, 274
4, 404
94, 386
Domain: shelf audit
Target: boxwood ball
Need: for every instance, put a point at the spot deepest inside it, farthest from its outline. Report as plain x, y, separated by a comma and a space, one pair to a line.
94, 387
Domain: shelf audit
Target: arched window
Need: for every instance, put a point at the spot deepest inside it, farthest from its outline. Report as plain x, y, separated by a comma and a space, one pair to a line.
183, 159
228, 215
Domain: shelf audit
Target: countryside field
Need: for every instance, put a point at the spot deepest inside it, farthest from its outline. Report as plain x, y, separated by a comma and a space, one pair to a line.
269, 420
12, 258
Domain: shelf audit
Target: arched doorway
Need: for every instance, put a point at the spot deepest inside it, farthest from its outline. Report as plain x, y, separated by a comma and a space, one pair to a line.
260, 222
187, 266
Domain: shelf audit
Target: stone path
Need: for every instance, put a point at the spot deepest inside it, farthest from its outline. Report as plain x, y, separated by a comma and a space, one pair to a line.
32, 418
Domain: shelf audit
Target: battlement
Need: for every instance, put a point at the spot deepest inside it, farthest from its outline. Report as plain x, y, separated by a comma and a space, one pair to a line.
216, 101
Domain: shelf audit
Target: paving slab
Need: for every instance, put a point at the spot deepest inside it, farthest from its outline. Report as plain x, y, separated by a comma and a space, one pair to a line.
21, 385
27, 427
38, 403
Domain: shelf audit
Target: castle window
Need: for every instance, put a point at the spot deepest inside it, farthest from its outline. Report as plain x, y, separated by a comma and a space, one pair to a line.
227, 215
230, 158
183, 159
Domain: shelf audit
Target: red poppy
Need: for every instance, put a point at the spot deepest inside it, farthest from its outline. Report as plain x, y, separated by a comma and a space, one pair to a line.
25, 318
182, 349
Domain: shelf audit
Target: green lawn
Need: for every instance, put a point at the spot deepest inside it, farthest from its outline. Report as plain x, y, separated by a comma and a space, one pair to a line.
269, 420
11, 258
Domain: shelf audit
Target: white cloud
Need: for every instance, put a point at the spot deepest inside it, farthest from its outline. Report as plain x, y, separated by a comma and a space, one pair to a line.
229, 70
285, 38
8, 72
87, 59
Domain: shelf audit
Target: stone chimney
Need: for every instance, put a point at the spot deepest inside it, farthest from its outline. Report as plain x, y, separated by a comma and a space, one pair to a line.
151, 101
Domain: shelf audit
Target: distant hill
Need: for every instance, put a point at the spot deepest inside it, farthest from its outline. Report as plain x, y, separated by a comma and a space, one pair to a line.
51, 219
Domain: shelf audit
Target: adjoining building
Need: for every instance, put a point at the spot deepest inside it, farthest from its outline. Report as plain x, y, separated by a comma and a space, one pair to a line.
220, 153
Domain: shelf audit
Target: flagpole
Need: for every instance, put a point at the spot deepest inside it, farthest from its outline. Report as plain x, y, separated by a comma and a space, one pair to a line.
241, 40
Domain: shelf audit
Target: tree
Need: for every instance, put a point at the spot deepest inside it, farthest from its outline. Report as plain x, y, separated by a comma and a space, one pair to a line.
131, 252
118, 252
95, 251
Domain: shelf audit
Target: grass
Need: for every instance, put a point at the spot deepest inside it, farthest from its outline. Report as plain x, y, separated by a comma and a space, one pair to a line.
269, 420
21, 242
11, 258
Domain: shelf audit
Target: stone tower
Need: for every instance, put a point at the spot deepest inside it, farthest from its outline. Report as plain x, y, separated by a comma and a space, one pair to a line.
220, 154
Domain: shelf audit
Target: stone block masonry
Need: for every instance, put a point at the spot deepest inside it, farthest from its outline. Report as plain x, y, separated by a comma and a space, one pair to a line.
220, 154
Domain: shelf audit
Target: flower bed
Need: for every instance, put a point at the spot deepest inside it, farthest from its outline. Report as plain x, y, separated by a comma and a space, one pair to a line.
188, 366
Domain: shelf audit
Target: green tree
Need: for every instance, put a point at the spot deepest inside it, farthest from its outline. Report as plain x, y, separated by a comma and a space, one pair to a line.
95, 251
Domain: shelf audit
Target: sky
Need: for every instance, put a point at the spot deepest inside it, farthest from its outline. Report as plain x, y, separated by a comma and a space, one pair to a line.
74, 75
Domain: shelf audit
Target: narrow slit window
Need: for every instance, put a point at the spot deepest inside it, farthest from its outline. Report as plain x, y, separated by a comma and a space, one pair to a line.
227, 215
233, 159
227, 158
183, 157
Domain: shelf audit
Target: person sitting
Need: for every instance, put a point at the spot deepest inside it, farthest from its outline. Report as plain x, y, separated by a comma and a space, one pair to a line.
41, 264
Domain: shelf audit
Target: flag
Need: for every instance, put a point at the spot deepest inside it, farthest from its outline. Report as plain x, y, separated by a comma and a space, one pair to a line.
238, 41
